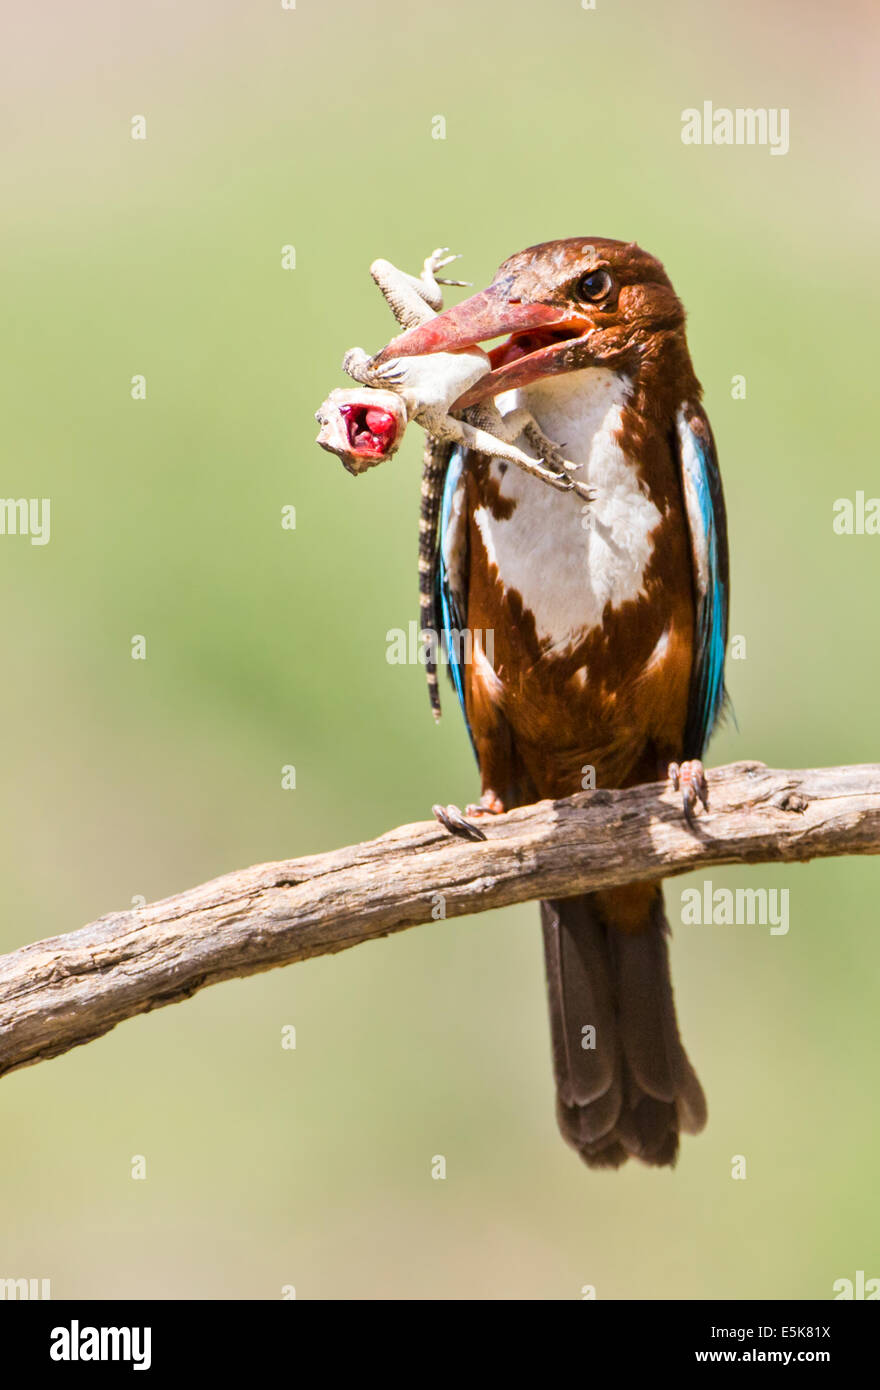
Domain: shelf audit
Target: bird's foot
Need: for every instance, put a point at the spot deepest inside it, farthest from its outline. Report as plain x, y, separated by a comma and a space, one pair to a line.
462, 825
690, 779
451, 819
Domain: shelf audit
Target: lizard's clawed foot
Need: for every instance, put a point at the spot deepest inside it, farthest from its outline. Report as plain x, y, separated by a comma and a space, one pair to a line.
390, 374
451, 819
561, 480
356, 364
551, 453
553, 456
566, 483
584, 490
436, 261
690, 779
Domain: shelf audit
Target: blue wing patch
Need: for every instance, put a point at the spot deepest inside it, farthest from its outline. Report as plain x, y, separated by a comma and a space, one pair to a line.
707, 522
451, 570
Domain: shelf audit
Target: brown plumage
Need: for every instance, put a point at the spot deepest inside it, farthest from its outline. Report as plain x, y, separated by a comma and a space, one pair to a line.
615, 695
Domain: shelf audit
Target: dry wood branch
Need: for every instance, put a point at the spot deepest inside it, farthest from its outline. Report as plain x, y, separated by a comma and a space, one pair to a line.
67, 990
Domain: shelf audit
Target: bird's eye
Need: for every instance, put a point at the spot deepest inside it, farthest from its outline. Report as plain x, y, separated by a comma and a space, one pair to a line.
595, 285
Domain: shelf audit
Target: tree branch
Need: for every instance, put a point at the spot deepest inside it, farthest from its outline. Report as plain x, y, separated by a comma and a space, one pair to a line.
65, 991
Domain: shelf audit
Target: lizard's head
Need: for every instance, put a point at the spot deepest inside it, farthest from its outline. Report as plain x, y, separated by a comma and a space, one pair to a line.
362, 427
568, 304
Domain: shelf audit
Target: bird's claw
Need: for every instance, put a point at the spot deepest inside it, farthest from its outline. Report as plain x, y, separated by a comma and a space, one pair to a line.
451, 819
690, 779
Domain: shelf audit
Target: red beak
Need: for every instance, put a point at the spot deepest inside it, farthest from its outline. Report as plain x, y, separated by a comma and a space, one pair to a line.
545, 329
483, 316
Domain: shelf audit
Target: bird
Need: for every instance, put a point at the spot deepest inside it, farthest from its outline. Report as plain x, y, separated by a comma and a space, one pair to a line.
599, 633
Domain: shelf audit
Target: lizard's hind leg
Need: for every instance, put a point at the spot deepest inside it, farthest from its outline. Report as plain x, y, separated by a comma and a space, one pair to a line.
475, 437
521, 424
414, 300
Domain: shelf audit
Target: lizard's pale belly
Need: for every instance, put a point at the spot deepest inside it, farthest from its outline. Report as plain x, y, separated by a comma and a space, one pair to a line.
567, 558
436, 380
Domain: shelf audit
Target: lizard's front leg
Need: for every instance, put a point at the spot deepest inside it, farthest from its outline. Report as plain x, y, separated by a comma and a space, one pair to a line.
387, 376
356, 363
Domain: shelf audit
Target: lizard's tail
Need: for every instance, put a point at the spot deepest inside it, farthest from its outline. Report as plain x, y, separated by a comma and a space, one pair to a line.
433, 475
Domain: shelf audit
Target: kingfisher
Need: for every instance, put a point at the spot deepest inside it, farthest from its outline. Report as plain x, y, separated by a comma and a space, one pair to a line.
608, 623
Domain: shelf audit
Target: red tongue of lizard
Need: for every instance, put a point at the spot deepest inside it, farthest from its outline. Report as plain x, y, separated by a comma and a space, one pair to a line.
370, 428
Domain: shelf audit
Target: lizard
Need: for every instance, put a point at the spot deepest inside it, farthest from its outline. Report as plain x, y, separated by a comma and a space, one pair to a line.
428, 386
366, 428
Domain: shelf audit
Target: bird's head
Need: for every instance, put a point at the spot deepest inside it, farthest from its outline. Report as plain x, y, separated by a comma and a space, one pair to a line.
566, 305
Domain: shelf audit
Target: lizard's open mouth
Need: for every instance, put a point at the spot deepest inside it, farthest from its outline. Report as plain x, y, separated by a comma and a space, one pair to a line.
372, 431
361, 427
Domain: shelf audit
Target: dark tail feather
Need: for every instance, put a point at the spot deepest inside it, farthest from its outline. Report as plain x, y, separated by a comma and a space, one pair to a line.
626, 1088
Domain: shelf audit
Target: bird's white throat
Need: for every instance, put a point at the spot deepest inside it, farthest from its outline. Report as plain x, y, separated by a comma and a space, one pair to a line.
568, 558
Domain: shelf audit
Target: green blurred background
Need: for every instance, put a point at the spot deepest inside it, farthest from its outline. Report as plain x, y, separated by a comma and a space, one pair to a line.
265, 647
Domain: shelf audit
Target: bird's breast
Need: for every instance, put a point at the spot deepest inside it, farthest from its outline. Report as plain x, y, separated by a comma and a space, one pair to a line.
568, 559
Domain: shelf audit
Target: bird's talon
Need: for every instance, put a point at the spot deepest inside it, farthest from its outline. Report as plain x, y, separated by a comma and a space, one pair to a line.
451, 819
690, 779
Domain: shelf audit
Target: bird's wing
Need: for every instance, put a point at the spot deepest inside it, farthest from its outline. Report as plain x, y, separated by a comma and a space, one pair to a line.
452, 568
707, 523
